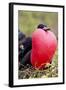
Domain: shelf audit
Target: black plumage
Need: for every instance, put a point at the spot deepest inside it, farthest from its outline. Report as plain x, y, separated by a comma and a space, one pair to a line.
43, 27
25, 46
21, 35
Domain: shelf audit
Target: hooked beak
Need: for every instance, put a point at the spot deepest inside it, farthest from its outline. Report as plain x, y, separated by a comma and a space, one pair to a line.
46, 28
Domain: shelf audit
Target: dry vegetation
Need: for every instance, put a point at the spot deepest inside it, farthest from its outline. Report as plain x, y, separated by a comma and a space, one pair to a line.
51, 70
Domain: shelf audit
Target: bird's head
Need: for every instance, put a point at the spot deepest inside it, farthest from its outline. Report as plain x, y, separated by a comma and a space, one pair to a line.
44, 27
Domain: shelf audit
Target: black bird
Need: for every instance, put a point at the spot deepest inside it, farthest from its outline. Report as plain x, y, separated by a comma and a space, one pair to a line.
25, 46
21, 37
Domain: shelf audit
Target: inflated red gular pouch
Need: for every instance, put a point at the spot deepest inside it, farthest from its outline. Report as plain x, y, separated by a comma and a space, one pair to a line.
44, 45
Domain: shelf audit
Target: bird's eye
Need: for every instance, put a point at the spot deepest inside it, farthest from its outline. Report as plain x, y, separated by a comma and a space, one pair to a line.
21, 46
41, 26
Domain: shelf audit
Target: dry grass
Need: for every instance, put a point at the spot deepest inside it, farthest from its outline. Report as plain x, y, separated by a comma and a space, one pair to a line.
27, 72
